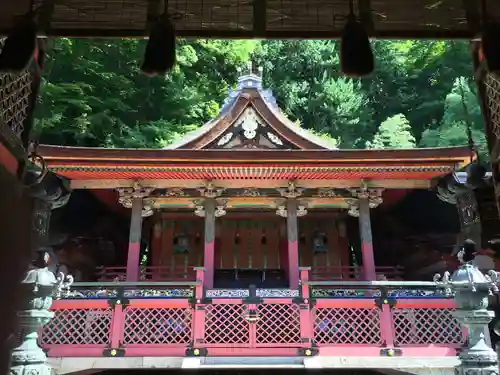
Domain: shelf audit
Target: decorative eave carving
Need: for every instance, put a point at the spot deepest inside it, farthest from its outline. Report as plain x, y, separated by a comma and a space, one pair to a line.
292, 191
327, 193
210, 190
127, 195
250, 192
174, 192
374, 196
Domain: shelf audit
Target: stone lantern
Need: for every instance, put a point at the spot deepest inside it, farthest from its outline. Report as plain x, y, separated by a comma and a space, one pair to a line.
39, 287
471, 289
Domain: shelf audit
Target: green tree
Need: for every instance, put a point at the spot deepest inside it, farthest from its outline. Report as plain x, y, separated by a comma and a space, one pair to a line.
395, 132
461, 110
94, 94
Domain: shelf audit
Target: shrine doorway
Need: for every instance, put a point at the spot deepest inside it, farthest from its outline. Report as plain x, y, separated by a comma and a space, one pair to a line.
250, 252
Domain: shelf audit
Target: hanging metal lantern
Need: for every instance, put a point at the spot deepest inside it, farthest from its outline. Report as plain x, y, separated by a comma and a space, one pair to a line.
319, 243
181, 244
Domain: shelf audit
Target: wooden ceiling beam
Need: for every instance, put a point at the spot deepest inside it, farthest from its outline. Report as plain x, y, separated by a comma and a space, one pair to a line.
259, 18
472, 15
437, 34
45, 16
235, 184
366, 16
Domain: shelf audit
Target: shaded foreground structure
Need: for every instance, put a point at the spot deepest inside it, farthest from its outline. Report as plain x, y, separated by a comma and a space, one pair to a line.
325, 319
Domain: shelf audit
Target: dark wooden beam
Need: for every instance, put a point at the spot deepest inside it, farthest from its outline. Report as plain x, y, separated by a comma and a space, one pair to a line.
441, 34
259, 18
155, 9
365, 15
472, 15
45, 15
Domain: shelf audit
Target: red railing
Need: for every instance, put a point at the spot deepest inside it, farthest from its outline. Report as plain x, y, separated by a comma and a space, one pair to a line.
324, 273
365, 326
155, 273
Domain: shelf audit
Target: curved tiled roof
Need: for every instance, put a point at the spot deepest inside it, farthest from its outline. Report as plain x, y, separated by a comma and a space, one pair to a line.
252, 83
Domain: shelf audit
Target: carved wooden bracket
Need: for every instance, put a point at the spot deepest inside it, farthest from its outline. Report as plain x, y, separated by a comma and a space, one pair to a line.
127, 195
220, 207
374, 196
292, 191
210, 190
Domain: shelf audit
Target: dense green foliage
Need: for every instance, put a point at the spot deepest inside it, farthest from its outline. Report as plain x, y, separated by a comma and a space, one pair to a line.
422, 94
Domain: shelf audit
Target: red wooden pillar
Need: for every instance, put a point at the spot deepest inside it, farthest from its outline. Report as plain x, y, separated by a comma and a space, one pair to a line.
209, 248
293, 242
365, 230
134, 242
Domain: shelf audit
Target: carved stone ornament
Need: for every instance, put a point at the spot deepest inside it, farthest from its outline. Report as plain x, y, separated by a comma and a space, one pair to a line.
210, 191
292, 191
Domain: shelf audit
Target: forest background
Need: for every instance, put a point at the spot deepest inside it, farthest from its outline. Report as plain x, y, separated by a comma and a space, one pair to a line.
421, 95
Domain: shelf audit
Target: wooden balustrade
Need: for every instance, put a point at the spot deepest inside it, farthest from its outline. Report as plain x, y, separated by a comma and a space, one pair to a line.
323, 273
322, 318
154, 273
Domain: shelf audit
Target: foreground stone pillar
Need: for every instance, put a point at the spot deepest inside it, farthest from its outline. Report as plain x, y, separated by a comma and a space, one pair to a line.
471, 288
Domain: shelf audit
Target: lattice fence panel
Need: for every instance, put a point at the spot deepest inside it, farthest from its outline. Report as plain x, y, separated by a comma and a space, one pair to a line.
346, 326
426, 326
14, 99
157, 326
278, 324
226, 324
78, 327
493, 99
